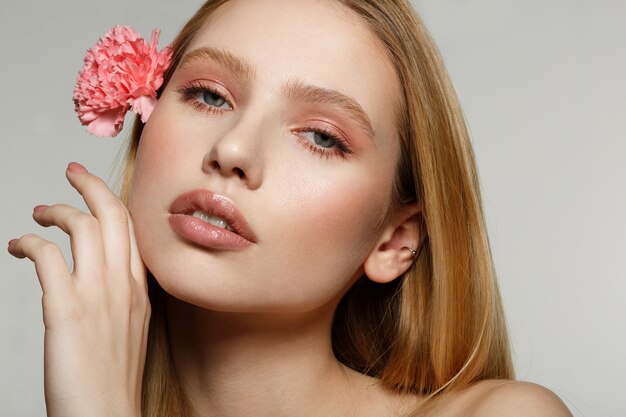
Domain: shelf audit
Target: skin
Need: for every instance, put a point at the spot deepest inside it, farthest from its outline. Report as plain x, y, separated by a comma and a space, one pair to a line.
251, 324
307, 212
245, 323
96, 316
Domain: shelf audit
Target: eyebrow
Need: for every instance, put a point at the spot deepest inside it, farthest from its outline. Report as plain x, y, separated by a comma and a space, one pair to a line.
297, 91
293, 89
229, 61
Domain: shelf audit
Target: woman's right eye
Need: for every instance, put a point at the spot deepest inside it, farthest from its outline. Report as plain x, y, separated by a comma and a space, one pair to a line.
203, 97
213, 99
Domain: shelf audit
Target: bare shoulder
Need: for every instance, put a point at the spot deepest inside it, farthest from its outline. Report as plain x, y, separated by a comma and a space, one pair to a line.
512, 399
487, 398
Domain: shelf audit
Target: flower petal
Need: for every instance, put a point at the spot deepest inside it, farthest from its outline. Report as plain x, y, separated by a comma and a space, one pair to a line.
143, 105
121, 70
107, 123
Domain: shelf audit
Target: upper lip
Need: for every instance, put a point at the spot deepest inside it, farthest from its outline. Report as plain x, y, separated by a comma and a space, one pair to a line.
214, 205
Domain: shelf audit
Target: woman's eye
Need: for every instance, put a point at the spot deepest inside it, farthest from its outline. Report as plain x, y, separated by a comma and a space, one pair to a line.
204, 97
213, 99
320, 138
323, 142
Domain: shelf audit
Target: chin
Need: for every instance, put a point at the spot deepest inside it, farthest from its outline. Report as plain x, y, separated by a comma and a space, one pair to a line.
217, 295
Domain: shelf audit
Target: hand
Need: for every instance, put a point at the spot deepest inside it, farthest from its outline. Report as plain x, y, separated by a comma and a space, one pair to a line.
96, 317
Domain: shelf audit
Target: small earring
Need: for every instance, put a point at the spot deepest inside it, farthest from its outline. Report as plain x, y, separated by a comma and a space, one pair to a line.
413, 253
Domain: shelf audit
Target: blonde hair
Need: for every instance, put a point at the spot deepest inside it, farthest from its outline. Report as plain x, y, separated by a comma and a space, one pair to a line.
440, 326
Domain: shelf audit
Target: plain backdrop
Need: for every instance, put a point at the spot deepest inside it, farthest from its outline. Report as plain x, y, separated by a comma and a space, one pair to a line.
543, 85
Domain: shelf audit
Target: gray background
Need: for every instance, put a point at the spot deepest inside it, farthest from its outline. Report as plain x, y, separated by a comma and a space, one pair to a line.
543, 85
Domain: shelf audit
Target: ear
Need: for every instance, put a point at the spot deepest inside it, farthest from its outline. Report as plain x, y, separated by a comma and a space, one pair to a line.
388, 260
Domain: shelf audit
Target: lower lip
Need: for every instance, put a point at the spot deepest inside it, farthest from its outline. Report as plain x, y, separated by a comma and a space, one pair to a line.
205, 234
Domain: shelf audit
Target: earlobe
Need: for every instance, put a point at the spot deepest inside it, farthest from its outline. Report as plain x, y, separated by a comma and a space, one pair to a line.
397, 247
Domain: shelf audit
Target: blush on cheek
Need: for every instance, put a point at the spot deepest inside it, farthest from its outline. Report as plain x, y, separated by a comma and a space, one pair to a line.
344, 208
155, 146
153, 181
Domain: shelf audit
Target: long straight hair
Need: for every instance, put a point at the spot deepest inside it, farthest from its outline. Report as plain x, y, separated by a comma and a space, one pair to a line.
440, 326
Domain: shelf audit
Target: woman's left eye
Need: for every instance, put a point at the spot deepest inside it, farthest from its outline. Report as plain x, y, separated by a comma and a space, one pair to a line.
213, 99
322, 139
324, 142
203, 97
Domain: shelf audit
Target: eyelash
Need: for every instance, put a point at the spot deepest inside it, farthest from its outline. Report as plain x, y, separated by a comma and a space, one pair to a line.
341, 150
190, 90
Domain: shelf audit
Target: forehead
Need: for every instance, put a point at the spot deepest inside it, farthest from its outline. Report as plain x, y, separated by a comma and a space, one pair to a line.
315, 42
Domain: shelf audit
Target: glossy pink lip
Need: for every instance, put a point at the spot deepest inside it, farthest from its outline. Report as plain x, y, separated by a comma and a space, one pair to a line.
205, 234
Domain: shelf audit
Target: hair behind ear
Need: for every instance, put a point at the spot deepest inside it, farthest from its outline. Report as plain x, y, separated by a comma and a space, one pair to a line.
440, 326
448, 328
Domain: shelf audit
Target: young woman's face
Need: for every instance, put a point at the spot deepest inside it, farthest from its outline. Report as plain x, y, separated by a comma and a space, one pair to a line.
251, 115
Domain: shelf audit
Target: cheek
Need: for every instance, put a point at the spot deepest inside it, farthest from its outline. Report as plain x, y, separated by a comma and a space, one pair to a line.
333, 219
336, 202
339, 206
155, 180
160, 157
157, 147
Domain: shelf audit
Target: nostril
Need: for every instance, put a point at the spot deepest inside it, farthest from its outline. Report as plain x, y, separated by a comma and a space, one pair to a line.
238, 172
214, 166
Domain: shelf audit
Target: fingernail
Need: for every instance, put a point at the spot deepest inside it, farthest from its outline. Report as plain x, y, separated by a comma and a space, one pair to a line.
76, 168
12, 241
39, 208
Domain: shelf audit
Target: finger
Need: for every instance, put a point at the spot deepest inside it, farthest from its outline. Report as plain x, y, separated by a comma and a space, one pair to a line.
50, 265
137, 267
110, 212
83, 230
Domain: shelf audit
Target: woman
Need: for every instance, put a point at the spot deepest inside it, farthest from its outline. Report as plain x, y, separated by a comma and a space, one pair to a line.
303, 209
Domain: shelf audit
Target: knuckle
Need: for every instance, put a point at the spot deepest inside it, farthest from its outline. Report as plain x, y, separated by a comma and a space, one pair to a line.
85, 221
54, 207
59, 209
48, 249
116, 213
28, 238
49, 213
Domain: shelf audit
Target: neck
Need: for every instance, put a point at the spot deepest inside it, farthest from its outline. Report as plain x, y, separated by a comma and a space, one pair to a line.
236, 364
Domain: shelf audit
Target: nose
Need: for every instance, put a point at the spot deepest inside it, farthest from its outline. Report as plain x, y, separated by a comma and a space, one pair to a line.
236, 154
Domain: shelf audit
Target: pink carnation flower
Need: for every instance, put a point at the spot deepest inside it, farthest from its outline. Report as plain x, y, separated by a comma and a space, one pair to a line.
121, 72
